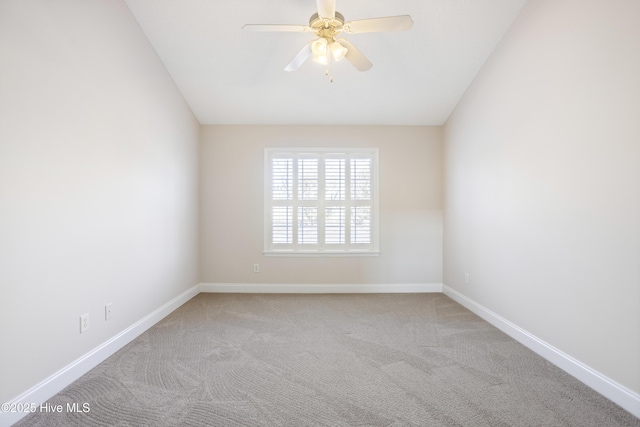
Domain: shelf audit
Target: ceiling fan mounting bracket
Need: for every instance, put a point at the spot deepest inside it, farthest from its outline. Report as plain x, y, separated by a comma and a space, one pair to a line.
319, 24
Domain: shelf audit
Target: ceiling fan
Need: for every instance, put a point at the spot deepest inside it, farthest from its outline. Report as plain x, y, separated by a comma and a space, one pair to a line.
326, 25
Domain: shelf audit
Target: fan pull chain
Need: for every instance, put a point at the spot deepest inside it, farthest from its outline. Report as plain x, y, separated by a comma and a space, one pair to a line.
328, 71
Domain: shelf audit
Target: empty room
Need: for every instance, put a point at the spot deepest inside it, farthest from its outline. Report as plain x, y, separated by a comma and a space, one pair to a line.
320, 212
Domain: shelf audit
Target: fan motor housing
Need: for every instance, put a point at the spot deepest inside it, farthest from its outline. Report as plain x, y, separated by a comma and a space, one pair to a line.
318, 23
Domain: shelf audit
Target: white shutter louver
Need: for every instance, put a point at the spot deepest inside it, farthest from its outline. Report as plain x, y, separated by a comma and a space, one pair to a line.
360, 179
282, 220
334, 179
334, 226
361, 225
307, 179
282, 179
307, 225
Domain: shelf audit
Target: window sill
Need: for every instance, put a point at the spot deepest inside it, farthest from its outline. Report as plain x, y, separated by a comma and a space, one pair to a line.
321, 254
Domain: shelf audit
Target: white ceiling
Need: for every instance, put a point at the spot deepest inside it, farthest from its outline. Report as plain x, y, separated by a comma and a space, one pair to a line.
231, 76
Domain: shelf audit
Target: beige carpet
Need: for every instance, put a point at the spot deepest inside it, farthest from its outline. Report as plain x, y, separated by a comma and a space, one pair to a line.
328, 360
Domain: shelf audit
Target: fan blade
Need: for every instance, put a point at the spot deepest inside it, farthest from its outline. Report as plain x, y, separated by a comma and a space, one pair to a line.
389, 23
355, 56
277, 28
327, 8
300, 58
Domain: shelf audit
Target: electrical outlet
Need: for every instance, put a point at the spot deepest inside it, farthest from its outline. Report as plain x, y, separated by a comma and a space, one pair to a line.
466, 278
107, 311
84, 323
256, 268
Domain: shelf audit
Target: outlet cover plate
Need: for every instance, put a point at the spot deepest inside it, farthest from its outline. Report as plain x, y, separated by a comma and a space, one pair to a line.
84, 323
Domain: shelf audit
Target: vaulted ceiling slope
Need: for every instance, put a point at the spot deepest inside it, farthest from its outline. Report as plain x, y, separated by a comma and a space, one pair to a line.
231, 76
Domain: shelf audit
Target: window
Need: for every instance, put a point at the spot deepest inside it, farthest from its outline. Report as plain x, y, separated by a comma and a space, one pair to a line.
321, 201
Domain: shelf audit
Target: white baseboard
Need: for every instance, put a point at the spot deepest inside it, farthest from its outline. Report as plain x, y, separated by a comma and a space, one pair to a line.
265, 288
617, 393
43, 391
46, 389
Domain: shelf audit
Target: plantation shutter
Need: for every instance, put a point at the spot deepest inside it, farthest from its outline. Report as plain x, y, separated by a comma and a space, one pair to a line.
320, 201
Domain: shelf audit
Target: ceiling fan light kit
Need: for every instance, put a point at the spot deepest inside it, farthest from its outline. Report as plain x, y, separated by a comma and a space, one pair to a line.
326, 24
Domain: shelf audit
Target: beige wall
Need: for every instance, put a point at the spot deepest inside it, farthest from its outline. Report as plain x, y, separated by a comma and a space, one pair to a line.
410, 206
542, 182
98, 183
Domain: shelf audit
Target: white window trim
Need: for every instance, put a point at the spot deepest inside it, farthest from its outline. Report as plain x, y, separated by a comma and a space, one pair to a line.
374, 249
